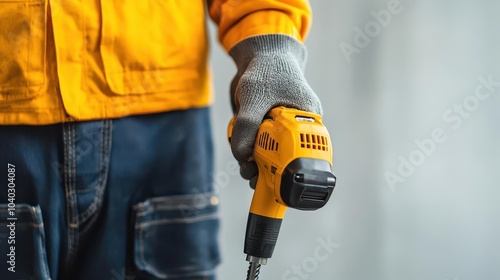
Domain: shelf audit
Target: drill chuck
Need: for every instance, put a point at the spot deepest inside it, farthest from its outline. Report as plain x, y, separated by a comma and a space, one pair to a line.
261, 235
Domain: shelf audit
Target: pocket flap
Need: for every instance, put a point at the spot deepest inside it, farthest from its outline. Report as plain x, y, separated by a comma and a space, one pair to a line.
22, 49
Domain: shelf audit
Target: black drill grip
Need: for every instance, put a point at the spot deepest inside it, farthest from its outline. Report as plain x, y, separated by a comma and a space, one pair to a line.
261, 236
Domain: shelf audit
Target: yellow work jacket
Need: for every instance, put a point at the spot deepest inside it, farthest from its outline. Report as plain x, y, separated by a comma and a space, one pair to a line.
63, 60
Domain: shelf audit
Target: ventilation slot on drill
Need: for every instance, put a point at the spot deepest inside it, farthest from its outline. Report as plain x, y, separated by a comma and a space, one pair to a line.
266, 142
313, 141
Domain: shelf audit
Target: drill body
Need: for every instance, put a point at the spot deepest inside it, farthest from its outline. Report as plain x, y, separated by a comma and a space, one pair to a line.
293, 153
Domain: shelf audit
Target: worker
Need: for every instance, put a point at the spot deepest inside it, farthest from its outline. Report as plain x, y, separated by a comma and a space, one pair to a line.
105, 142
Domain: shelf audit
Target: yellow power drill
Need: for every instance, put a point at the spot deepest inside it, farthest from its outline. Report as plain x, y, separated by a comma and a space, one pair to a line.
293, 153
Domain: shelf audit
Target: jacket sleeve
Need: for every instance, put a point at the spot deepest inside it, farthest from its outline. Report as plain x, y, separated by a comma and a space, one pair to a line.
240, 19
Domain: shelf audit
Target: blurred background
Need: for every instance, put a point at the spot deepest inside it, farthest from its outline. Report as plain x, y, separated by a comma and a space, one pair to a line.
412, 104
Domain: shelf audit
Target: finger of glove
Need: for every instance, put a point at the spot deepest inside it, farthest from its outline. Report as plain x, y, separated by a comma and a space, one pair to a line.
245, 130
248, 170
253, 182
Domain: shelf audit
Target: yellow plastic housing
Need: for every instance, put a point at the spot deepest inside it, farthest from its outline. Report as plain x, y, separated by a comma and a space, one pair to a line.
284, 135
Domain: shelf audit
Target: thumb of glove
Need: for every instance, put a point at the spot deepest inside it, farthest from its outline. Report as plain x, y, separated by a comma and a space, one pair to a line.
250, 171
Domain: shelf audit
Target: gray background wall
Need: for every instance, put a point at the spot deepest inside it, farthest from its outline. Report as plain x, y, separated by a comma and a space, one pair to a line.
442, 221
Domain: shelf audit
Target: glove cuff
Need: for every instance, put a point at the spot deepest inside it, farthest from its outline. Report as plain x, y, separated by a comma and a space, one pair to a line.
246, 50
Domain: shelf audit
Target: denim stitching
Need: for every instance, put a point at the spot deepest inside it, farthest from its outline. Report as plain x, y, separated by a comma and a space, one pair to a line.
70, 191
101, 153
83, 217
86, 190
72, 210
199, 218
91, 209
173, 203
149, 210
41, 251
65, 173
74, 198
104, 158
66, 185
88, 212
172, 200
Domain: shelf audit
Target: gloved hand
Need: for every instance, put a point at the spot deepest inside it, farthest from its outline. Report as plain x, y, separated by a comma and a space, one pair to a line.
270, 74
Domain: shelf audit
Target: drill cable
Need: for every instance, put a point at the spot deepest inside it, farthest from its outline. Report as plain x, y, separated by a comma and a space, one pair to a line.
253, 271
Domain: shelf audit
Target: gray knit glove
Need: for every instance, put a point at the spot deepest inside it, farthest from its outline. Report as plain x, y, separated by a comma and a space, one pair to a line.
270, 74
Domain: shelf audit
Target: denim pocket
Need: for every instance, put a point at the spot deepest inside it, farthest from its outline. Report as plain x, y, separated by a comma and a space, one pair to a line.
22, 243
177, 236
